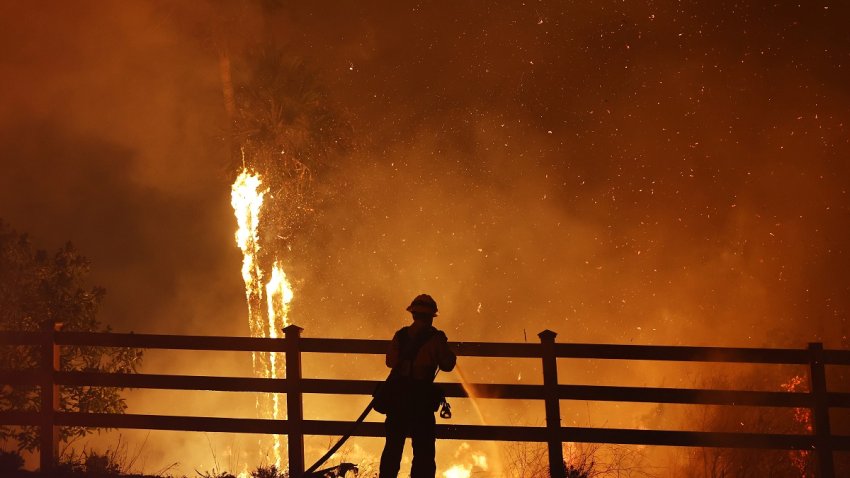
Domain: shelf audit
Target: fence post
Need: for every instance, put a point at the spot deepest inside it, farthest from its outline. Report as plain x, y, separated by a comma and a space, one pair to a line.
820, 410
49, 432
294, 404
553, 405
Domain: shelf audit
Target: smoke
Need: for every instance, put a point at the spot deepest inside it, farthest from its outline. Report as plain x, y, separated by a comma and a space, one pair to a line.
663, 173
107, 142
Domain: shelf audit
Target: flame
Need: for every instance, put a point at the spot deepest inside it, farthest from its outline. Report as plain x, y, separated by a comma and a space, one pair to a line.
458, 471
469, 461
247, 201
278, 294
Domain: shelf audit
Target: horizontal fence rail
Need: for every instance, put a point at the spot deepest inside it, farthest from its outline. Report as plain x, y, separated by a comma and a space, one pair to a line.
50, 377
469, 349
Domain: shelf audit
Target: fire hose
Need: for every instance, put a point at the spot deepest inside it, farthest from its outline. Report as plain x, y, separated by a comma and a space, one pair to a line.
341, 441
445, 412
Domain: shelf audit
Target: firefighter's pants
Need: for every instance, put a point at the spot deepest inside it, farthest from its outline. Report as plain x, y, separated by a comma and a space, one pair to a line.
419, 426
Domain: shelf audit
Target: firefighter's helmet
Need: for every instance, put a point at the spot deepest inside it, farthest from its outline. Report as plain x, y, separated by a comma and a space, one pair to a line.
423, 304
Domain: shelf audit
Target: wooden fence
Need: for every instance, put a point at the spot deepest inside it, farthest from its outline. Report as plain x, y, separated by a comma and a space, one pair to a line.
819, 400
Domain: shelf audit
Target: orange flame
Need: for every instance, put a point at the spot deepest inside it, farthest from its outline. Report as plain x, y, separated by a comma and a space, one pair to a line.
278, 294
469, 462
247, 202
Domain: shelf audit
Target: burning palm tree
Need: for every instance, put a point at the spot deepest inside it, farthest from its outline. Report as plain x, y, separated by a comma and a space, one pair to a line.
285, 133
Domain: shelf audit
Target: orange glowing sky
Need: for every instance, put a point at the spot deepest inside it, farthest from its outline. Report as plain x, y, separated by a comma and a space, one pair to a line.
624, 172
661, 172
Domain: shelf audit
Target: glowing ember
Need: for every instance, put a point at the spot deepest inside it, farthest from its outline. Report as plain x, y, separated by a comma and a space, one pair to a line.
803, 416
247, 201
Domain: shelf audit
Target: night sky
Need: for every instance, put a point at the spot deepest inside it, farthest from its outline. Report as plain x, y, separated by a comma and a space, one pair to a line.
624, 172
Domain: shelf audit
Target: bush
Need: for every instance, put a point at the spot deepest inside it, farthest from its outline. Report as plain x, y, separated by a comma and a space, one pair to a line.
38, 288
10, 461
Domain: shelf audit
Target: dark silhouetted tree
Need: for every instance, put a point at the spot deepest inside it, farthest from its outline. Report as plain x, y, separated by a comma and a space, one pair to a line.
36, 288
581, 460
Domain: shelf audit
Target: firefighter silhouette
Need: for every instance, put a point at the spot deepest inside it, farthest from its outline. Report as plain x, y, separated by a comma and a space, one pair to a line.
417, 352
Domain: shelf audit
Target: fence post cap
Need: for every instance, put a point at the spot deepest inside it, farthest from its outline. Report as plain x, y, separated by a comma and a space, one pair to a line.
547, 335
292, 330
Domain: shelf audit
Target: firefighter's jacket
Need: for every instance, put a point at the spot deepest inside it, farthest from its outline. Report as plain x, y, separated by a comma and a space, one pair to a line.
433, 354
